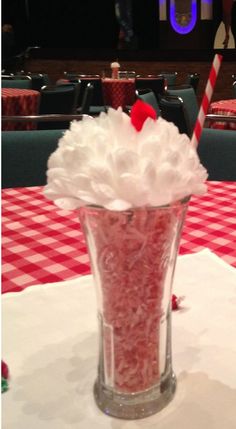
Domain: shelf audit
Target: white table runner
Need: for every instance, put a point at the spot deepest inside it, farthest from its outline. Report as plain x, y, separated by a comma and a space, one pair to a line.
49, 341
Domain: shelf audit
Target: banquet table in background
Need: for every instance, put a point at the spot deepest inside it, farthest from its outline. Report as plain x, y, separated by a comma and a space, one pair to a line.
17, 102
43, 244
223, 107
118, 92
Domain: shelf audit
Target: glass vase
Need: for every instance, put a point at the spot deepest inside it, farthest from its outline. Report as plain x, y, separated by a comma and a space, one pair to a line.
133, 255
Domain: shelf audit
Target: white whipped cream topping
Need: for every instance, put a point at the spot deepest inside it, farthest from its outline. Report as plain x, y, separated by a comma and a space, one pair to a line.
104, 161
115, 65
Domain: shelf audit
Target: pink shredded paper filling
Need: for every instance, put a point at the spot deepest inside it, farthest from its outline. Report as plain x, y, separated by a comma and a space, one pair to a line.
130, 260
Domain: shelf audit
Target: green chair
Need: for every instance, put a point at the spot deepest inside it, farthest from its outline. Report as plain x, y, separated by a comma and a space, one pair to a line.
172, 109
85, 107
25, 155
170, 77
58, 99
155, 82
188, 95
17, 83
149, 97
39, 80
193, 80
97, 104
234, 89
217, 152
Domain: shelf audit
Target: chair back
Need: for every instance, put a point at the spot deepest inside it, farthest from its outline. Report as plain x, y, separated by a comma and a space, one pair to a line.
148, 96
7, 76
170, 77
234, 89
73, 75
155, 83
61, 99
172, 109
25, 155
217, 152
87, 100
39, 80
17, 83
21, 75
97, 99
193, 80
126, 74
187, 94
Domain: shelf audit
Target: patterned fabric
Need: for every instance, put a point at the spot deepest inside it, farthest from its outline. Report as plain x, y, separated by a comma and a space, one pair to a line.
118, 92
223, 107
43, 244
19, 102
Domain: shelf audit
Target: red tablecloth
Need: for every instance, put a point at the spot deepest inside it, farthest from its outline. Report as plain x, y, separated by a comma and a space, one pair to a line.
223, 107
118, 92
19, 102
41, 243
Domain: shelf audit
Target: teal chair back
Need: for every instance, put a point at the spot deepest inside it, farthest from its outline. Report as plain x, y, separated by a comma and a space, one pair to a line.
39, 80
193, 80
87, 100
172, 110
234, 89
217, 152
155, 83
187, 94
25, 155
17, 83
58, 99
148, 96
170, 77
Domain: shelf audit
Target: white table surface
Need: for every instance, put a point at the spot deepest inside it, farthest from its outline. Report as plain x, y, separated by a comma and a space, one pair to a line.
49, 341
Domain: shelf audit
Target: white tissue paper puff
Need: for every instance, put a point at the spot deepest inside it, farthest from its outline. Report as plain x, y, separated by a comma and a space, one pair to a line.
115, 65
105, 161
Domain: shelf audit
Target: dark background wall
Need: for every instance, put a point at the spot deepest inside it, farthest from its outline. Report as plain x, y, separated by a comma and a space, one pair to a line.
81, 24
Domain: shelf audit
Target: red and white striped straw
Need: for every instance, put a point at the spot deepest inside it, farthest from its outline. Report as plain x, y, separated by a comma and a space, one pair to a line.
206, 99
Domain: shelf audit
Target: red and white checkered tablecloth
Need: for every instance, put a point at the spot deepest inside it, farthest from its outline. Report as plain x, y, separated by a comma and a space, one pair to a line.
223, 107
43, 244
17, 102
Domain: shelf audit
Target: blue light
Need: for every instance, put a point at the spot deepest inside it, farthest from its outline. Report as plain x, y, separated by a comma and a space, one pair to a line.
180, 28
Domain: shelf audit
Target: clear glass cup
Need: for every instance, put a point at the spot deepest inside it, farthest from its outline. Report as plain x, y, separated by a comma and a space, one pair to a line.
133, 255
126, 74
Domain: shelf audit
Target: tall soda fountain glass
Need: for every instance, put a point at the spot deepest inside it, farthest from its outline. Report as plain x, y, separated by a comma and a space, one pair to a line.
133, 255
130, 178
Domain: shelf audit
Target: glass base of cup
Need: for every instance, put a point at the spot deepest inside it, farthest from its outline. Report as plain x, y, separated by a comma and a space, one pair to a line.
133, 406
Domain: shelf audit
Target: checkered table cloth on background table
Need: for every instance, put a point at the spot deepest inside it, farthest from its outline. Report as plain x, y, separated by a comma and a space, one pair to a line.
17, 102
43, 244
223, 107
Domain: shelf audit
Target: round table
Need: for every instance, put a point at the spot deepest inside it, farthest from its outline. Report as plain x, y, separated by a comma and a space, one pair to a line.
16, 101
223, 107
118, 92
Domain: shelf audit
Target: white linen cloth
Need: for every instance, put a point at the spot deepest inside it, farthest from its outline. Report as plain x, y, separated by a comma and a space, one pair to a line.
49, 341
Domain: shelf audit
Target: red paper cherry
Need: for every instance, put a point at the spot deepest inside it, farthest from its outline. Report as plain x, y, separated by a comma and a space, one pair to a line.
5, 370
140, 112
175, 304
